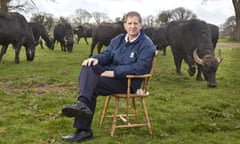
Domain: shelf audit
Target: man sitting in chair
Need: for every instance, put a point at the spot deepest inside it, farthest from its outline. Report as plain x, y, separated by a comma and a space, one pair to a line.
105, 73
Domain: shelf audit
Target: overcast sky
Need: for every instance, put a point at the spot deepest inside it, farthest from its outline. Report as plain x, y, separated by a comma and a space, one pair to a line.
212, 11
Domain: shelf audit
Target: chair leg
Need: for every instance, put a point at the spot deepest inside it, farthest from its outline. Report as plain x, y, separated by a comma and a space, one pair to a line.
146, 116
114, 122
135, 108
105, 109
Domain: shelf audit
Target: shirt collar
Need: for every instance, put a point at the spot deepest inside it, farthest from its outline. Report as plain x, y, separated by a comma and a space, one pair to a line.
126, 38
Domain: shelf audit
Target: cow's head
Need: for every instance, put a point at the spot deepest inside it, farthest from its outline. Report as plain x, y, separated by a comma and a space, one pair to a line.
209, 65
30, 52
49, 42
68, 42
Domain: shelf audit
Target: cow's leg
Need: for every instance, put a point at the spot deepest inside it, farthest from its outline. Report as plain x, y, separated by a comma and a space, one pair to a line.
191, 66
41, 43
63, 47
164, 51
3, 51
178, 63
85, 38
199, 74
99, 47
4, 48
78, 39
17, 52
94, 42
53, 44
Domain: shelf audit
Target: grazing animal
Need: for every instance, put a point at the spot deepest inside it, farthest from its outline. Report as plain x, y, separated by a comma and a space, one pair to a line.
103, 33
149, 31
63, 33
159, 37
83, 31
15, 30
214, 34
40, 33
191, 41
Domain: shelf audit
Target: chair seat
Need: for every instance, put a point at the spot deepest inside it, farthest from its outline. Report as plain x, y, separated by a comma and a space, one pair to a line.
137, 94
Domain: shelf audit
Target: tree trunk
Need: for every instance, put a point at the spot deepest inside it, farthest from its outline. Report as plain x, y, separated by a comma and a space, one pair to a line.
4, 5
236, 5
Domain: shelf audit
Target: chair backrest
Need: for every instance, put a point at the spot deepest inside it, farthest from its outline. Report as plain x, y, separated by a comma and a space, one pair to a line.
147, 80
154, 62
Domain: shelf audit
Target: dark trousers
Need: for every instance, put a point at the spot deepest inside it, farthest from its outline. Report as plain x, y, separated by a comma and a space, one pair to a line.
91, 85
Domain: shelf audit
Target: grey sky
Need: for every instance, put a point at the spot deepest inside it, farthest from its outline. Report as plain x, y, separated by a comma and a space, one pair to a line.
212, 11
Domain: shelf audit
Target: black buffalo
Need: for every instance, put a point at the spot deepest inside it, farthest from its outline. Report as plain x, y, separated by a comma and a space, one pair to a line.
191, 41
83, 31
103, 33
149, 31
40, 33
15, 30
159, 37
214, 33
63, 33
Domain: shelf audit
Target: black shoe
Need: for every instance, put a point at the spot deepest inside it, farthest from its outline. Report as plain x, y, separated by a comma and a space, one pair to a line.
78, 136
79, 110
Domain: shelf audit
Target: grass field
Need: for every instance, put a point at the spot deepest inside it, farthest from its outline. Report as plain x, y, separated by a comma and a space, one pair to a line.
182, 110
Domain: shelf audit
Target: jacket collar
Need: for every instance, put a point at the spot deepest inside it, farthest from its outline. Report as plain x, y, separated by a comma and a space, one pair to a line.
140, 34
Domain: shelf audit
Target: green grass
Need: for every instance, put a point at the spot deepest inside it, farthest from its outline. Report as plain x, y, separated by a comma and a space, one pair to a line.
182, 110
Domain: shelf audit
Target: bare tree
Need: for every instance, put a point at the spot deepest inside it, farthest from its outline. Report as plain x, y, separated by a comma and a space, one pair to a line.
164, 17
148, 21
19, 5
236, 5
228, 28
182, 14
4, 5
118, 19
81, 16
45, 19
100, 17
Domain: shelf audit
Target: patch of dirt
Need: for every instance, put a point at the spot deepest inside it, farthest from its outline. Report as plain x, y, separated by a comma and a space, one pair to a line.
39, 88
43, 88
228, 45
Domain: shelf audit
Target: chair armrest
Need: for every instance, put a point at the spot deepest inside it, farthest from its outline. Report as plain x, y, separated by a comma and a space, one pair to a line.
139, 76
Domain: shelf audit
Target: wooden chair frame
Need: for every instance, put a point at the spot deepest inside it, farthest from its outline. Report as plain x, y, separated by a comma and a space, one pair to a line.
141, 93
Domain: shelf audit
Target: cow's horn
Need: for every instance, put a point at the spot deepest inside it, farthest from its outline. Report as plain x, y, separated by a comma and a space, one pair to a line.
65, 39
219, 57
196, 57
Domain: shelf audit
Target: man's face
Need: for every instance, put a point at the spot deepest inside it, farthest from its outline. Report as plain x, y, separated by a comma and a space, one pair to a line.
132, 26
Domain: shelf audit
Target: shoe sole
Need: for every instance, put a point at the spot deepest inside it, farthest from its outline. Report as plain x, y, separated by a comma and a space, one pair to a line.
71, 112
84, 139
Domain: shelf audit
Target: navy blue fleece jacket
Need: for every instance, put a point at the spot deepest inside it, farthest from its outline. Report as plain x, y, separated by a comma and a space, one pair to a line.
128, 58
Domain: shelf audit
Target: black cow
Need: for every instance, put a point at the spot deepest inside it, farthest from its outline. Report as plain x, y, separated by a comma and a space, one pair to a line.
40, 33
83, 31
15, 30
191, 41
214, 34
159, 37
63, 33
149, 31
103, 33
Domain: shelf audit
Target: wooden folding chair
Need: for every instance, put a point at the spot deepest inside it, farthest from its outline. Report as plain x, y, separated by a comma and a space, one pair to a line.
126, 117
